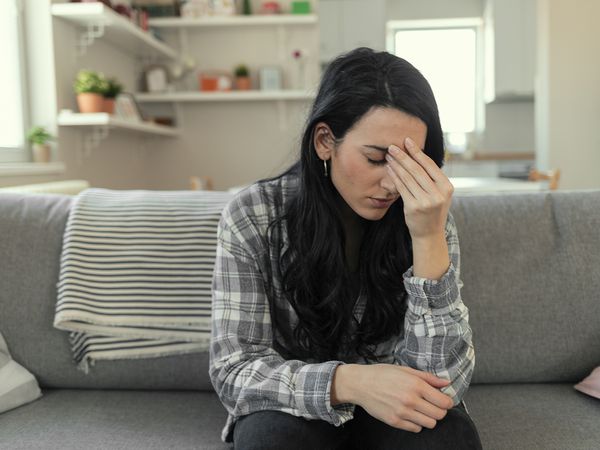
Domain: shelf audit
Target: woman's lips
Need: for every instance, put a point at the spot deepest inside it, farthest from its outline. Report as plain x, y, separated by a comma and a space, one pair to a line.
378, 203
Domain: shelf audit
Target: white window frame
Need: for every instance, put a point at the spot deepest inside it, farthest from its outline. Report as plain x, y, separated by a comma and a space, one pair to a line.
20, 154
475, 23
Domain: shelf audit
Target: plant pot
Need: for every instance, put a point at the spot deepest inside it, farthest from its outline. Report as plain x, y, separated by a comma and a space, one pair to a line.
242, 83
214, 81
41, 153
109, 105
90, 103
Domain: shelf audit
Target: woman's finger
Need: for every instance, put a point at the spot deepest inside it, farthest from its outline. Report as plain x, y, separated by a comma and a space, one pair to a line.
430, 167
422, 420
407, 425
408, 177
414, 168
404, 192
437, 398
430, 410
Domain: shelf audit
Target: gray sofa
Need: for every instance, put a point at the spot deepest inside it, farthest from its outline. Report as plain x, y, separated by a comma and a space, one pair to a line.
531, 272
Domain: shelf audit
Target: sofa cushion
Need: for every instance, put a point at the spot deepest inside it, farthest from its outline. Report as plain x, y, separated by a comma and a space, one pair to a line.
591, 384
517, 416
17, 385
97, 419
534, 416
529, 266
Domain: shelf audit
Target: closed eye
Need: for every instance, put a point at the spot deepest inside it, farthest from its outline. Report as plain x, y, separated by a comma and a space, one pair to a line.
377, 162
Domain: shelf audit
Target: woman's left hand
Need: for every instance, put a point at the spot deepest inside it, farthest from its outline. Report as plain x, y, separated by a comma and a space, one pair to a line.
425, 190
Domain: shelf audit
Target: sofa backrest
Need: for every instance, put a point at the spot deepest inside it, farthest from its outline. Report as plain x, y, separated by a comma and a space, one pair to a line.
529, 263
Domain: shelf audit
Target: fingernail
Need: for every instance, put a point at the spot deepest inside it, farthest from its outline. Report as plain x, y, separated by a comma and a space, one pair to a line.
394, 150
408, 142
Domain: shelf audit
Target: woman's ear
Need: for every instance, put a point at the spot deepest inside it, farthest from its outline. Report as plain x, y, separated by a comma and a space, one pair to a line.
324, 140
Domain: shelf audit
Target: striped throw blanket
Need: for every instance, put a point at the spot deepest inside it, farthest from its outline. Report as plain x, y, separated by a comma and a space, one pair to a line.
136, 273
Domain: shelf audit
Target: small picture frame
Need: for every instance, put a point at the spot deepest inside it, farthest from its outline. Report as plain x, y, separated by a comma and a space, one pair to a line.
270, 78
127, 108
157, 79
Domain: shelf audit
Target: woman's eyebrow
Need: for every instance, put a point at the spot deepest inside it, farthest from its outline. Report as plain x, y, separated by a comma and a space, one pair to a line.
377, 147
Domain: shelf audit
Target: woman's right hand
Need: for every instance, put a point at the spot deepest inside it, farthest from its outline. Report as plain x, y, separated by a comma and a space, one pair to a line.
401, 396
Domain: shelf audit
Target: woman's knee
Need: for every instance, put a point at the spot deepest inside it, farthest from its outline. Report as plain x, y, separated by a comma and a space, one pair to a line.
265, 430
456, 431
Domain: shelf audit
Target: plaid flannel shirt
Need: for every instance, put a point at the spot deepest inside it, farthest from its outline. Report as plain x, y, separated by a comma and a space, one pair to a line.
249, 375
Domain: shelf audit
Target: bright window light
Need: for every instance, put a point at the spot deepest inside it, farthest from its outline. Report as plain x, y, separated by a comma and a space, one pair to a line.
11, 114
447, 57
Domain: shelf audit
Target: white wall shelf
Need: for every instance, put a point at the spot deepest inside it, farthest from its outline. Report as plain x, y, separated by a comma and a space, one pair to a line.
229, 96
99, 21
237, 20
66, 187
25, 169
97, 126
280, 97
66, 118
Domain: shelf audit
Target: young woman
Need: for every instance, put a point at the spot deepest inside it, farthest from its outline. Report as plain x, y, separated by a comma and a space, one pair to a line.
337, 316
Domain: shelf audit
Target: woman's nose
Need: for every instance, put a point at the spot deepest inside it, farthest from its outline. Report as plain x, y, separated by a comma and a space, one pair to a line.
388, 184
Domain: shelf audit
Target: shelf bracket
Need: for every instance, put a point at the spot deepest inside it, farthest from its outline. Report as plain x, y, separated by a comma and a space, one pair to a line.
92, 139
92, 32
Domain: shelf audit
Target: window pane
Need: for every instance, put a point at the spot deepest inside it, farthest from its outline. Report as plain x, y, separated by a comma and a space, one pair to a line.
447, 58
11, 114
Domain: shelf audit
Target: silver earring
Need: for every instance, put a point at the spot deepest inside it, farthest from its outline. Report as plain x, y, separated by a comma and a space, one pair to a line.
325, 164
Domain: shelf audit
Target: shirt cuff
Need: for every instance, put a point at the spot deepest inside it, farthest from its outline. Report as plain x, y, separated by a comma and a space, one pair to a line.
342, 412
425, 294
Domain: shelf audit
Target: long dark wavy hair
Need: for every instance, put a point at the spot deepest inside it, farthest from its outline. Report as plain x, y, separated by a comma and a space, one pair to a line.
316, 279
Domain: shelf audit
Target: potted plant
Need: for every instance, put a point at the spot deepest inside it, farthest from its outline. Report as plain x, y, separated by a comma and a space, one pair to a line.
242, 77
39, 137
113, 88
90, 87
246, 7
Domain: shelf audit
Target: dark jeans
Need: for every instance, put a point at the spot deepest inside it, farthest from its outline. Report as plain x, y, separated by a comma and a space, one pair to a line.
265, 430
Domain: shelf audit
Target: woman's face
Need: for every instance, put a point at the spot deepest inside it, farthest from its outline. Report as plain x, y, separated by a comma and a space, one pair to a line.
357, 165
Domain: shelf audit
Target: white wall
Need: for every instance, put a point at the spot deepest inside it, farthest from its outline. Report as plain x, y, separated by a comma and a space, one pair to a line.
433, 9
568, 91
509, 127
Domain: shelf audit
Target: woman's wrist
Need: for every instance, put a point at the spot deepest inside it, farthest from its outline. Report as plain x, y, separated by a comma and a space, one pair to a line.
344, 386
430, 257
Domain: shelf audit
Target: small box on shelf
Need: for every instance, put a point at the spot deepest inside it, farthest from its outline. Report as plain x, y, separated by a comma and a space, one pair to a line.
270, 78
214, 80
301, 7
158, 8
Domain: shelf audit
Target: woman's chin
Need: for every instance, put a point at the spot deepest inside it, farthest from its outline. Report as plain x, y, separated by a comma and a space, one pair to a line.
374, 214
